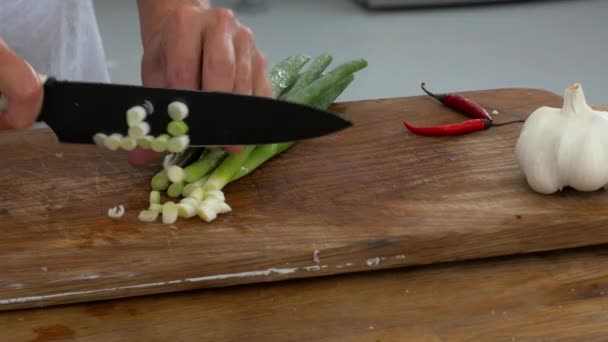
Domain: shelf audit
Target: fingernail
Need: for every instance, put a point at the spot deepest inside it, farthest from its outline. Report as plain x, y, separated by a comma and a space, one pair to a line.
141, 157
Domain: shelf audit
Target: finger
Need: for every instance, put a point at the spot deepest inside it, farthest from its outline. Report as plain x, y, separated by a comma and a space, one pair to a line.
22, 89
141, 157
182, 49
219, 58
243, 42
261, 81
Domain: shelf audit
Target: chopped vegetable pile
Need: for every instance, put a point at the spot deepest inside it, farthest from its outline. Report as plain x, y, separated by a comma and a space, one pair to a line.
196, 176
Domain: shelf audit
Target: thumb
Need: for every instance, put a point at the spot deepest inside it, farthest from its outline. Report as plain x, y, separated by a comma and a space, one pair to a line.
21, 88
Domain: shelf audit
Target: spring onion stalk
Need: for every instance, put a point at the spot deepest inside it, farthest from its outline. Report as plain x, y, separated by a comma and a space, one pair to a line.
264, 152
177, 128
216, 194
204, 165
175, 189
169, 212
188, 188
178, 111
227, 169
186, 210
128, 143
314, 71
178, 144
139, 130
206, 212
148, 215
175, 174
160, 143
198, 194
190, 201
145, 142
154, 197
284, 73
160, 181
313, 91
99, 139
156, 207
112, 142
135, 115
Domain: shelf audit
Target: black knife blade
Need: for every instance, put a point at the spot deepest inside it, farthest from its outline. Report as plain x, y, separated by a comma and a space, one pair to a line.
76, 111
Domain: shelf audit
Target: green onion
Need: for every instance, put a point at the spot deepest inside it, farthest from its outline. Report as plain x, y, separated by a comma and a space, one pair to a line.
148, 215
206, 163
177, 128
128, 143
284, 74
139, 130
156, 207
154, 197
175, 174
186, 210
160, 143
216, 194
169, 212
178, 111
188, 188
160, 181
197, 194
206, 212
227, 169
145, 142
135, 115
113, 141
313, 72
178, 144
99, 139
175, 189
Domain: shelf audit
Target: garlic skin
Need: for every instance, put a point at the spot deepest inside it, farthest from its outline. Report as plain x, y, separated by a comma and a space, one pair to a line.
568, 146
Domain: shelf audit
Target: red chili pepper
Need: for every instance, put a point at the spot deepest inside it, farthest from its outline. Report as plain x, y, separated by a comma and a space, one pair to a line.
460, 103
464, 127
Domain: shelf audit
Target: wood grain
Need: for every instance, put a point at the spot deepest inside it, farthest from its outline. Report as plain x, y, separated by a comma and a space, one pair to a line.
558, 296
368, 198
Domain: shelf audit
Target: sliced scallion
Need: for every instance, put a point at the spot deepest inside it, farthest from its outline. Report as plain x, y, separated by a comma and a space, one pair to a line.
177, 128
169, 212
178, 144
148, 215
178, 111
175, 189
128, 143
135, 115
139, 130
160, 181
160, 143
145, 142
112, 142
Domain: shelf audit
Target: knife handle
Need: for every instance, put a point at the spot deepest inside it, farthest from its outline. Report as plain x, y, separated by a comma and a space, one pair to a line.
4, 102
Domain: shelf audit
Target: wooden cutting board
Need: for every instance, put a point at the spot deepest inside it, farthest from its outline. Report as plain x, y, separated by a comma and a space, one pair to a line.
371, 197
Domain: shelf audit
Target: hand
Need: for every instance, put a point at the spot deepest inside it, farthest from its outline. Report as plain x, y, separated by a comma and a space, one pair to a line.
22, 89
203, 48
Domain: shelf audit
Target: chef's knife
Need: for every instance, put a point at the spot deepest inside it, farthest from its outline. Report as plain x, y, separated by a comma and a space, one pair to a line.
76, 111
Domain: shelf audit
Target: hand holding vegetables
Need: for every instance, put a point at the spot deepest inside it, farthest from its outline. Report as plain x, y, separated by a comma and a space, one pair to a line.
566, 146
194, 46
22, 89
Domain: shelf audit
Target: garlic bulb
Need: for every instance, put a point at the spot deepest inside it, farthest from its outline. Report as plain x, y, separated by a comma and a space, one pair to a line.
567, 146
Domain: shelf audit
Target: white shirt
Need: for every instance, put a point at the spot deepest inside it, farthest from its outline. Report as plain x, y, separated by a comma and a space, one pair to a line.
58, 38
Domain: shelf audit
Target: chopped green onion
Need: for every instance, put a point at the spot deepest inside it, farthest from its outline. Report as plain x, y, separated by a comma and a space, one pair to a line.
99, 139
177, 128
113, 141
206, 212
197, 194
175, 173
148, 215
186, 210
206, 163
178, 111
145, 142
215, 194
135, 115
191, 201
169, 212
128, 143
175, 189
156, 207
139, 130
154, 197
178, 144
191, 186
160, 143
160, 181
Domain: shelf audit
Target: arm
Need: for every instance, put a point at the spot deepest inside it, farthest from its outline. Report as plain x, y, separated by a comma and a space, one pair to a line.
152, 13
